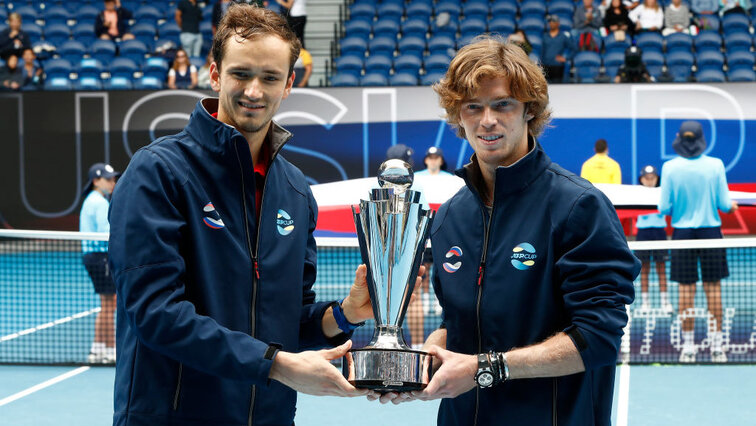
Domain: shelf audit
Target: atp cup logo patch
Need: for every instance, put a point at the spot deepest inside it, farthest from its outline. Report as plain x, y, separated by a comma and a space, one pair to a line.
212, 218
453, 267
284, 223
523, 256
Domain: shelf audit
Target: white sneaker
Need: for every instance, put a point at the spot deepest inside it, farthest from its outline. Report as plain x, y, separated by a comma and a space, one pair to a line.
667, 308
718, 356
95, 358
688, 356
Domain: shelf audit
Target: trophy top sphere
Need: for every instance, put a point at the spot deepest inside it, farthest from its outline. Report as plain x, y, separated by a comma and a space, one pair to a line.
396, 174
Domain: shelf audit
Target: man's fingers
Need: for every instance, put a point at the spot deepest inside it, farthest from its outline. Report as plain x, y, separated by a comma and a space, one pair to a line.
338, 351
360, 274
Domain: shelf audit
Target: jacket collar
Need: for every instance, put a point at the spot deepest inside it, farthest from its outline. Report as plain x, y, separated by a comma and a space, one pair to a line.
216, 135
510, 179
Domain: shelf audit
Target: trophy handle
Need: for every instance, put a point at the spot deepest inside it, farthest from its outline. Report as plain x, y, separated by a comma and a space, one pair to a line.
363, 243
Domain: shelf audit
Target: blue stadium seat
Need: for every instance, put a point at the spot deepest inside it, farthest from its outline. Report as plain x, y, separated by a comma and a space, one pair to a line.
155, 67
612, 62
378, 64
464, 40
408, 64
362, 11
708, 41
678, 42
357, 28
451, 7
353, 46
386, 28
504, 9
679, 65
90, 67
86, 14
33, 30
475, 9
403, 79
654, 63
72, 51
419, 10
437, 63
611, 44
384, 46
442, 44
587, 66
431, 78
57, 34
735, 23
123, 67
390, 11
650, 41
57, 68
740, 60
537, 43
502, 25
206, 29
149, 83
565, 23
563, 8
84, 33
147, 15
349, 64
472, 27
532, 25
28, 14
711, 76
344, 80
3, 16
134, 50
56, 15
412, 46
88, 83
170, 31
414, 27
374, 80
710, 60
449, 29
58, 83
737, 42
146, 33
709, 22
532, 9
741, 75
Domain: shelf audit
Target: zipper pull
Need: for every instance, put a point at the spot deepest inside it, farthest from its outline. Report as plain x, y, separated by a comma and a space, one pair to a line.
257, 269
481, 270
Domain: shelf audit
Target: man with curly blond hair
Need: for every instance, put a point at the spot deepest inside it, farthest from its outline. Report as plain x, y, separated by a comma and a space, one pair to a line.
536, 271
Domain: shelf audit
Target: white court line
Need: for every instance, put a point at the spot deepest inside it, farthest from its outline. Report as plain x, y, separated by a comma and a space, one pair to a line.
623, 397
35, 388
49, 324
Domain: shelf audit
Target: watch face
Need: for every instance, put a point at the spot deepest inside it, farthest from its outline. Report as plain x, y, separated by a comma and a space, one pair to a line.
485, 379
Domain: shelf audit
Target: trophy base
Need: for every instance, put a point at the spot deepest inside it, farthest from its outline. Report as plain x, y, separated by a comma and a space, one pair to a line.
388, 370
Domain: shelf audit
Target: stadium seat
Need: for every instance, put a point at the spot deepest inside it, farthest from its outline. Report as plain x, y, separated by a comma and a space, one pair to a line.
708, 41
464, 40
710, 60
611, 44
56, 15
90, 67
612, 62
448, 29
384, 46
155, 67
735, 23
357, 28
679, 65
738, 42
58, 68
472, 27
504, 9
441, 45
565, 23
403, 79
709, 22
437, 63
452, 7
57, 34
419, 10
537, 43
408, 64
386, 27
3, 15
349, 64
431, 78
374, 80
502, 25
391, 11
678, 42
411, 46
563, 8
135, 50
378, 64
475, 9
123, 67
649, 41
362, 11
532, 9
58, 83
149, 83
86, 14
88, 83
741, 75
414, 27
353, 46
146, 33
33, 30
147, 15
710, 76
654, 63
28, 14
84, 33
534, 26
206, 29
170, 31
344, 80
586, 66
118, 83
72, 51
740, 60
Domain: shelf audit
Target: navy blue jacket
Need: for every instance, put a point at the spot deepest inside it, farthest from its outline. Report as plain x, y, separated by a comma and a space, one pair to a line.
203, 292
556, 259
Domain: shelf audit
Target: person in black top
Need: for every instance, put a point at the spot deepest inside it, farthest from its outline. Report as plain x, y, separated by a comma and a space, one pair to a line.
11, 77
617, 19
633, 70
188, 18
13, 40
112, 23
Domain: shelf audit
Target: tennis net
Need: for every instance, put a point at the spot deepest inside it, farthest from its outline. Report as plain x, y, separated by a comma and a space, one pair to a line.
48, 306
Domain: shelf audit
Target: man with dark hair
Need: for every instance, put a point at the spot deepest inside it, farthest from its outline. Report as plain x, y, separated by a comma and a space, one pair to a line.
556, 49
601, 168
214, 258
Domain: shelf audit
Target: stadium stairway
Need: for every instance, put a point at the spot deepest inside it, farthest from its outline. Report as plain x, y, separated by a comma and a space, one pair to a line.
322, 15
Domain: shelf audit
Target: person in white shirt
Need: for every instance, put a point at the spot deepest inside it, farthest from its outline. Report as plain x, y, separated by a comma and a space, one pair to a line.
647, 17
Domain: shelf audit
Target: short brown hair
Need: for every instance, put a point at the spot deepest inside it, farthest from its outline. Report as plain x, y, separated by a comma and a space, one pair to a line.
248, 22
601, 146
493, 56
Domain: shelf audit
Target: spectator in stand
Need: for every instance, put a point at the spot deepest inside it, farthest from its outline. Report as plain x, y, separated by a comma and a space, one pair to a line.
188, 18
31, 70
556, 48
113, 22
633, 70
13, 40
296, 14
704, 7
617, 21
734, 6
203, 74
587, 18
519, 38
11, 76
182, 75
302, 68
601, 168
647, 17
219, 9
676, 18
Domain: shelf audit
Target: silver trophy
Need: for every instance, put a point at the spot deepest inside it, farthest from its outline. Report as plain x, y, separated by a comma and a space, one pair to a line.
392, 228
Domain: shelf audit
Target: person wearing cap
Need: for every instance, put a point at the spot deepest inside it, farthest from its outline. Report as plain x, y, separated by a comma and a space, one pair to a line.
434, 161
693, 189
94, 218
651, 227
556, 49
601, 168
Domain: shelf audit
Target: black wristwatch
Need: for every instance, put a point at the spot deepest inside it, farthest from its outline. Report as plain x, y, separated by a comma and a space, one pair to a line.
485, 377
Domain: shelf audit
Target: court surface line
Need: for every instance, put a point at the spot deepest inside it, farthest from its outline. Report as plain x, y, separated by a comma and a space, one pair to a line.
623, 395
47, 383
49, 324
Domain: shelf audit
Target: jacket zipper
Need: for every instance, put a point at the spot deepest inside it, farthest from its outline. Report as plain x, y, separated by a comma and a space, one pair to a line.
178, 388
554, 404
481, 272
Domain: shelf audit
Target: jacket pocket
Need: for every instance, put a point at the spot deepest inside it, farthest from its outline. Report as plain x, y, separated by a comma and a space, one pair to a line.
178, 388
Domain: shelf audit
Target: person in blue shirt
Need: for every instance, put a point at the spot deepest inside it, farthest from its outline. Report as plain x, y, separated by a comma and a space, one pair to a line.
434, 161
556, 48
651, 227
693, 188
94, 218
